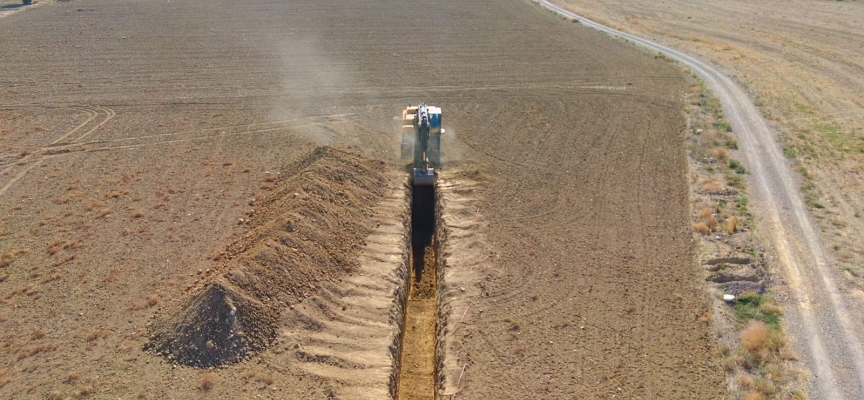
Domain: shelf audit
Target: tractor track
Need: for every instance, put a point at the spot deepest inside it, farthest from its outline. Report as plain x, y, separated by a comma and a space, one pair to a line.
825, 328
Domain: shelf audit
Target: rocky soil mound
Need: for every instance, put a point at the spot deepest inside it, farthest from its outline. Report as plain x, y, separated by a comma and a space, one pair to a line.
306, 231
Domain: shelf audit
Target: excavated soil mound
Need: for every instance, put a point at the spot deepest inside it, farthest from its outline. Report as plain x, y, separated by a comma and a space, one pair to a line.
217, 325
306, 231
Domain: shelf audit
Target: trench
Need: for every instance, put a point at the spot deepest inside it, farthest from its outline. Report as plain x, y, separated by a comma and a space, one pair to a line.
417, 366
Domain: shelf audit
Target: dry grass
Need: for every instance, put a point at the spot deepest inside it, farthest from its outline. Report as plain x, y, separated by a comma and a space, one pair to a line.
116, 194
83, 391
752, 396
37, 349
93, 205
701, 228
754, 337
136, 214
4, 378
711, 185
55, 246
37, 334
151, 301
207, 381
719, 153
266, 379
72, 378
96, 335
705, 212
711, 223
9, 256
30, 289
731, 225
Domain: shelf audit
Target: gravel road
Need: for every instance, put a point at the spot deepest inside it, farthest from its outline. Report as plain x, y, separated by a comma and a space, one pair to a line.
823, 322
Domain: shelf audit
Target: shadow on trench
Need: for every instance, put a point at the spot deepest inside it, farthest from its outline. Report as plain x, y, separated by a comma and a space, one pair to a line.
423, 218
417, 367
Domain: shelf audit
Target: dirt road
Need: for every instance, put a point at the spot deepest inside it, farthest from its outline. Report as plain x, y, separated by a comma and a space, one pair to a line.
135, 152
822, 321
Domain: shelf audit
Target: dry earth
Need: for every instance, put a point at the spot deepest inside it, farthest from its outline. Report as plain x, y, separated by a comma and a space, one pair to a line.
802, 63
137, 135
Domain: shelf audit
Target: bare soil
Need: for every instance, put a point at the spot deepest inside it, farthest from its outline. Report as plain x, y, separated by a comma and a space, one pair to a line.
801, 62
134, 154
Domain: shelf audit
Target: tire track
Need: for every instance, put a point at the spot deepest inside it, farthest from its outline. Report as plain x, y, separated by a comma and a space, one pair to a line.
91, 113
59, 147
109, 115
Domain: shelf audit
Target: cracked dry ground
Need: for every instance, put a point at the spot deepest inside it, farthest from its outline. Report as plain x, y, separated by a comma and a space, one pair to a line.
135, 135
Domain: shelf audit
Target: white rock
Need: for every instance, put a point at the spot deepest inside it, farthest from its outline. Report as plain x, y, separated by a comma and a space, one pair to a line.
728, 298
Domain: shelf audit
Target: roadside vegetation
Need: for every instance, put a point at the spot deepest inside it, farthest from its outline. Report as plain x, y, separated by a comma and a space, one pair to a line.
754, 350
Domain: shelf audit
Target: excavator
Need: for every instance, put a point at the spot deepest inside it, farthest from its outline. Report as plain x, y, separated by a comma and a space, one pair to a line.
421, 135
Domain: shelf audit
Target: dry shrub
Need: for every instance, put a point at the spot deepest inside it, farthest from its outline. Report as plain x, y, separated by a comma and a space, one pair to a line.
744, 381
270, 178
711, 185
754, 337
137, 214
706, 212
207, 381
752, 396
719, 153
711, 223
765, 387
701, 228
710, 134
731, 225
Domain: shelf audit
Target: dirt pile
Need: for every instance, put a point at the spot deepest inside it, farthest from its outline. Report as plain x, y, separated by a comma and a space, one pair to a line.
306, 231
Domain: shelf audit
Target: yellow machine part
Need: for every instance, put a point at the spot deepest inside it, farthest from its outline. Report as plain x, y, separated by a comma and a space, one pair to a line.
408, 115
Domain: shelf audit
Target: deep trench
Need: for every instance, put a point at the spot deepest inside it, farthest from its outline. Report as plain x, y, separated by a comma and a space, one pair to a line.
417, 371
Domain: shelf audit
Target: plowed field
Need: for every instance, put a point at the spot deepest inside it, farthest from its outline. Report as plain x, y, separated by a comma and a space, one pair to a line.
139, 137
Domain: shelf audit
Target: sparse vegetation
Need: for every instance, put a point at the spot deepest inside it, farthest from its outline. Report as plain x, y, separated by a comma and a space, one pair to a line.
756, 361
9, 256
753, 306
83, 391
207, 381
151, 301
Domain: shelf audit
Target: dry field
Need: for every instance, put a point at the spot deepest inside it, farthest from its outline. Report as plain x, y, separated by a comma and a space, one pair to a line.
802, 62
158, 164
